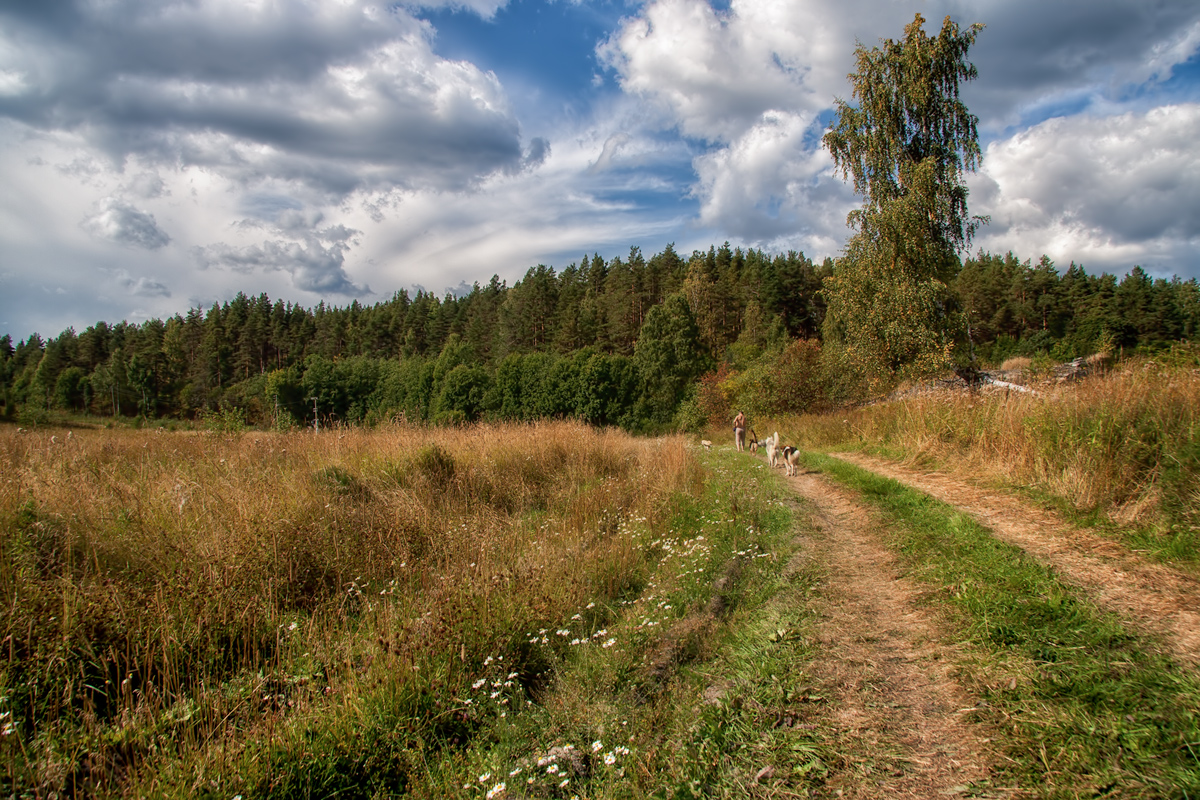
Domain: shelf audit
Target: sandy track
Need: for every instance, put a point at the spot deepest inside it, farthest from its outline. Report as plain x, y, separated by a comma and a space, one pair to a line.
1157, 598
896, 709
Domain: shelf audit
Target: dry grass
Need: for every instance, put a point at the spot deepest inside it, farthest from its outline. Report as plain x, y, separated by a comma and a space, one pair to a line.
1017, 363
165, 592
1125, 443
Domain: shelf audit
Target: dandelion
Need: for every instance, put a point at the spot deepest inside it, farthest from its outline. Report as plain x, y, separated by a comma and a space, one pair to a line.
496, 790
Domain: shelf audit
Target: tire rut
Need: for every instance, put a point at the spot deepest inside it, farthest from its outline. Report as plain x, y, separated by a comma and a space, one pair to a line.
898, 713
1156, 598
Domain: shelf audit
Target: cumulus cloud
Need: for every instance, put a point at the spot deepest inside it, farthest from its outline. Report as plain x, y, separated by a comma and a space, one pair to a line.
335, 97
752, 80
314, 265
141, 286
770, 187
716, 73
119, 222
1115, 190
1035, 56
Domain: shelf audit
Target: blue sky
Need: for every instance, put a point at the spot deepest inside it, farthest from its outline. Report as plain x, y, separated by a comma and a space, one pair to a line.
163, 154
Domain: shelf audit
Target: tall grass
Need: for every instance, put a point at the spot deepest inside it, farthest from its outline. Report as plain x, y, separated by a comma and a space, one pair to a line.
262, 611
1125, 445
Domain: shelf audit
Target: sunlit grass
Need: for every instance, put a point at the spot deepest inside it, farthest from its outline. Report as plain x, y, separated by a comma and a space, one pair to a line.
1122, 447
363, 613
1083, 705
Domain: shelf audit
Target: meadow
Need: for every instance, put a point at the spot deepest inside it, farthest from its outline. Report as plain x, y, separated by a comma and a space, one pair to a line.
400, 611
1119, 449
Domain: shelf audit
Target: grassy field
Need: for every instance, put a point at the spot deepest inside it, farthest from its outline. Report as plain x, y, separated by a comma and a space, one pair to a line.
482, 611
554, 611
1119, 449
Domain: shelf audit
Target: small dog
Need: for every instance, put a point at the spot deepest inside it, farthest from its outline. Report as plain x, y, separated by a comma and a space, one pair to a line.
791, 459
772, 445
706, 444
753, 441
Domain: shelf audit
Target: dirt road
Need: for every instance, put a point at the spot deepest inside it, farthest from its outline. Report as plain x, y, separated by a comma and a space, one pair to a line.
897, 713
1156, 598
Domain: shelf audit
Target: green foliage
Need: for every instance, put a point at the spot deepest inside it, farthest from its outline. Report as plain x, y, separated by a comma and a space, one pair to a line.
390, 360
462, 396
906, 146
669, 356
224, 420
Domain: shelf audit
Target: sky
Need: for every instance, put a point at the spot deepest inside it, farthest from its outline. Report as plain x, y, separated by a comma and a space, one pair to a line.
161, 155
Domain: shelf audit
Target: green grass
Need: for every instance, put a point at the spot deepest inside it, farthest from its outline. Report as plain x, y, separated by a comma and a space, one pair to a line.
379, 615
687, 701
1086, 706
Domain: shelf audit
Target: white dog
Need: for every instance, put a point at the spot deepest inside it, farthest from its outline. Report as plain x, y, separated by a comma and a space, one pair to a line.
772, 446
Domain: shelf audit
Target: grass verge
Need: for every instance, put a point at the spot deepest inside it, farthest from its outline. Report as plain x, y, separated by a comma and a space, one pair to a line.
1120, 451
1086, 707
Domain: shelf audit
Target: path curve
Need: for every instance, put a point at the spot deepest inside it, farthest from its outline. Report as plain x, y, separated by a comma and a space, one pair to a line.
1157, 598
883, 659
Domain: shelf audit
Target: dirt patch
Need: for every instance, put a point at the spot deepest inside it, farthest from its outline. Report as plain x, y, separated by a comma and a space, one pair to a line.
1156, 598
898, 715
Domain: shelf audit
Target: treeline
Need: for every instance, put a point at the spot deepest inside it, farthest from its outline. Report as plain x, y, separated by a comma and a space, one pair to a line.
620, 342
1015, 308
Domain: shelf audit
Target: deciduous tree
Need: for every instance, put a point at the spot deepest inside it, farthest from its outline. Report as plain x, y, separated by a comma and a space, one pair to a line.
906, 145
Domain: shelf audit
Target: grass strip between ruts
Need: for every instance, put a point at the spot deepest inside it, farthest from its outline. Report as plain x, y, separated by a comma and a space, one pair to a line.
1085, 706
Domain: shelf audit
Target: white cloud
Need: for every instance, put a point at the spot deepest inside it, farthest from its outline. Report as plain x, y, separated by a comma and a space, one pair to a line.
718, 73
773, 189
119, 222
1109, 192
751, 80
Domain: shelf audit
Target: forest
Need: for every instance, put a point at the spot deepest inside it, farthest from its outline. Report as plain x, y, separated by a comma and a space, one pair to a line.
643, 343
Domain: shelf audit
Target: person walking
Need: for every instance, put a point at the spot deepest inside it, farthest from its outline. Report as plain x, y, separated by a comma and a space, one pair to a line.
739, 431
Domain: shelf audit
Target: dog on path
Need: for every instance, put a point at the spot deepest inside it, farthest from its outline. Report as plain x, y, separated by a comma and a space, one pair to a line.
791, 460
772, 445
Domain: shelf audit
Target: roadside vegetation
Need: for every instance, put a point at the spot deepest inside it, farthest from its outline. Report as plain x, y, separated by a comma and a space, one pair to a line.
1082, 705
375, 613
1119, 449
